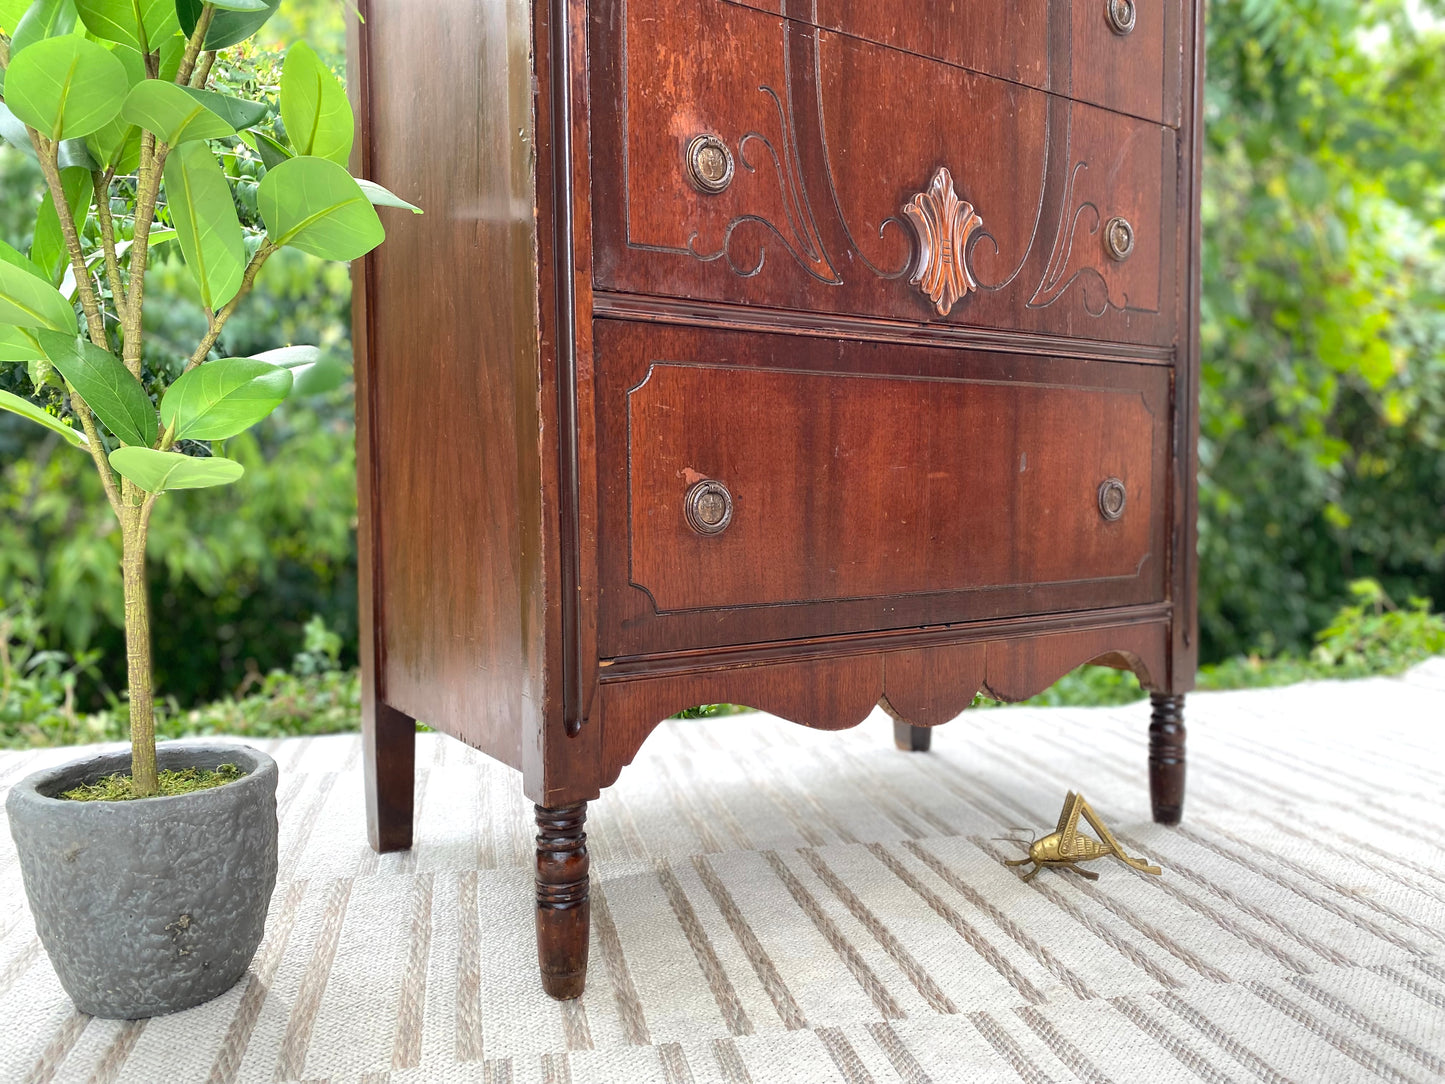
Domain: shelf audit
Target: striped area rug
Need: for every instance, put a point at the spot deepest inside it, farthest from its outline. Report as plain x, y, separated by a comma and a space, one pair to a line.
776, 904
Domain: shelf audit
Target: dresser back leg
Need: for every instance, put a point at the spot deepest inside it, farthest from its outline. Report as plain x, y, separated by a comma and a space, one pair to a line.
912, 739
388, 742
563, 911
1166, 757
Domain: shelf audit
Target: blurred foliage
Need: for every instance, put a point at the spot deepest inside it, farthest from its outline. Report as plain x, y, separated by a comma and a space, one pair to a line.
1371, 637
38, 707
1323, 388
1368, 638
1322, 420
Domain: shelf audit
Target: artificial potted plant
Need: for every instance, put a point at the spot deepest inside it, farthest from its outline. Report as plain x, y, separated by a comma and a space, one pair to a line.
153, 898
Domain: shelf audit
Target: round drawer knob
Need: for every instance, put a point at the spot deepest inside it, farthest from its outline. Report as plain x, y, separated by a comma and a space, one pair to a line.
709, 164
1119, 238
708, 507
1121, 15
1112, 498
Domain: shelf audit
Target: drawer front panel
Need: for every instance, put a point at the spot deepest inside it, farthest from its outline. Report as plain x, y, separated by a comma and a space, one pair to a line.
1121, 55
863, 487
828, 145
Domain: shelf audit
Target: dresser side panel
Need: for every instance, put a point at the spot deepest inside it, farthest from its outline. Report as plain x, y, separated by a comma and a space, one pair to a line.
450, 372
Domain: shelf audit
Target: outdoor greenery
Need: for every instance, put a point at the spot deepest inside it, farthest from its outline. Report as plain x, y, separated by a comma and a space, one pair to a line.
1322, 421
169, 783
116, 102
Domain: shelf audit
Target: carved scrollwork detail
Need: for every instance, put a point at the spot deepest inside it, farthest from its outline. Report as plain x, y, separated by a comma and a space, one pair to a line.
943, 224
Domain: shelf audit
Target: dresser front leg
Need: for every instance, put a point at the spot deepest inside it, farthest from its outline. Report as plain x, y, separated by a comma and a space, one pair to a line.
1166, 757
563, 913
912, 739
388, 743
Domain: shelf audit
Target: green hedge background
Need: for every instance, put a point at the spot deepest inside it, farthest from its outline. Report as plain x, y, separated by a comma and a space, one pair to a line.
1323, 413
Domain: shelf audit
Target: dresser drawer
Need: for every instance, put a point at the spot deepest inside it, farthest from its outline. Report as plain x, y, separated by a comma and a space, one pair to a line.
761, 487
820, 141
1120, 54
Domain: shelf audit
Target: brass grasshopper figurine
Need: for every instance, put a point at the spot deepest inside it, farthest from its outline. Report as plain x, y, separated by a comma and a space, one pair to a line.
1065, 847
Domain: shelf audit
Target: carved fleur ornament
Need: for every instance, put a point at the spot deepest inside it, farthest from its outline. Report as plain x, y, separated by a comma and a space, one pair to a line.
943, 223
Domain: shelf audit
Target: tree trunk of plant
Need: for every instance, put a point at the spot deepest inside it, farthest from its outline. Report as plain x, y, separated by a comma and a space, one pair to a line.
138, 648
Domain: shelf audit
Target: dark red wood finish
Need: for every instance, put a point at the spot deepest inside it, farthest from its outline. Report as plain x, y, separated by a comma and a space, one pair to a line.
830, 142
1065, 46
573, 333
981, 501
563, 907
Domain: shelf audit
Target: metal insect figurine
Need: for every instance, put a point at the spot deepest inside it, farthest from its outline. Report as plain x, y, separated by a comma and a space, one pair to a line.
1065, 847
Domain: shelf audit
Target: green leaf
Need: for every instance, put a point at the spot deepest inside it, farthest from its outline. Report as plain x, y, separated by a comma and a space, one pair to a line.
27, 299
106, 385
47, 250
221, 398
314, 373
117, 144
188, 12
11, 12
314, 107
313, 204
141, 23
230, 27
156, 472
26, 409
205, 218
65, 87
73, 152
380, 197
44, 19
18, 344
237, 112
271, 151
173, 115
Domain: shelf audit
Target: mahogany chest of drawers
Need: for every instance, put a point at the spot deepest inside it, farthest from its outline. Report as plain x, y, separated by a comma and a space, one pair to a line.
805, 354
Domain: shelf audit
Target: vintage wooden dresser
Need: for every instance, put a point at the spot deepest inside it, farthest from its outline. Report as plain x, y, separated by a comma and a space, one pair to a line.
805, 354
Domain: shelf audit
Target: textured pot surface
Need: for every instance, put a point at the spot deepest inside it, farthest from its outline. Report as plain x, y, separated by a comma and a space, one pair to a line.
154, 905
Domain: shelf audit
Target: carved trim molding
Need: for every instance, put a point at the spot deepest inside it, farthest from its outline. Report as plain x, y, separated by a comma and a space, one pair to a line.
943, 224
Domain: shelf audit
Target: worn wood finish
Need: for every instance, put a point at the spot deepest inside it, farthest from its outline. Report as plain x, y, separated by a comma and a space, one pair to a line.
1166, 757
456, 498
1137, 72
837, 685
923, 478
563, 909
983, 506
811, 220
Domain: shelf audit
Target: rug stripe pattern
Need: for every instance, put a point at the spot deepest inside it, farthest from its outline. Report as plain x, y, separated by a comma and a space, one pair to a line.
777, 904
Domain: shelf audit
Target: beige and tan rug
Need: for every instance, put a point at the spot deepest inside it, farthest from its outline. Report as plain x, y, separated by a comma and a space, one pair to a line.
773, 904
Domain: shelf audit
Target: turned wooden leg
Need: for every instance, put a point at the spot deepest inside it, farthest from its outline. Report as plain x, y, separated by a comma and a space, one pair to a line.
563, 912
912, 739
1166, 757
388, 740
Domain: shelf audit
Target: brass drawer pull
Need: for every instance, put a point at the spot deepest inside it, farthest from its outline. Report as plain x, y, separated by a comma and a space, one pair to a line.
1119, 238
709, 164
1121, 15
1112, 499
708, 507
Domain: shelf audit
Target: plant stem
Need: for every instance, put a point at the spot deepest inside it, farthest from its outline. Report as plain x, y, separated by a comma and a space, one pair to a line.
135, 524
152, 159
203, 70
193, 46
218, 321
102, 181
49, 153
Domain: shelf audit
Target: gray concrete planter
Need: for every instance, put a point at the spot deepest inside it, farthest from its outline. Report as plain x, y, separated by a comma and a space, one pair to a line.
155, 905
